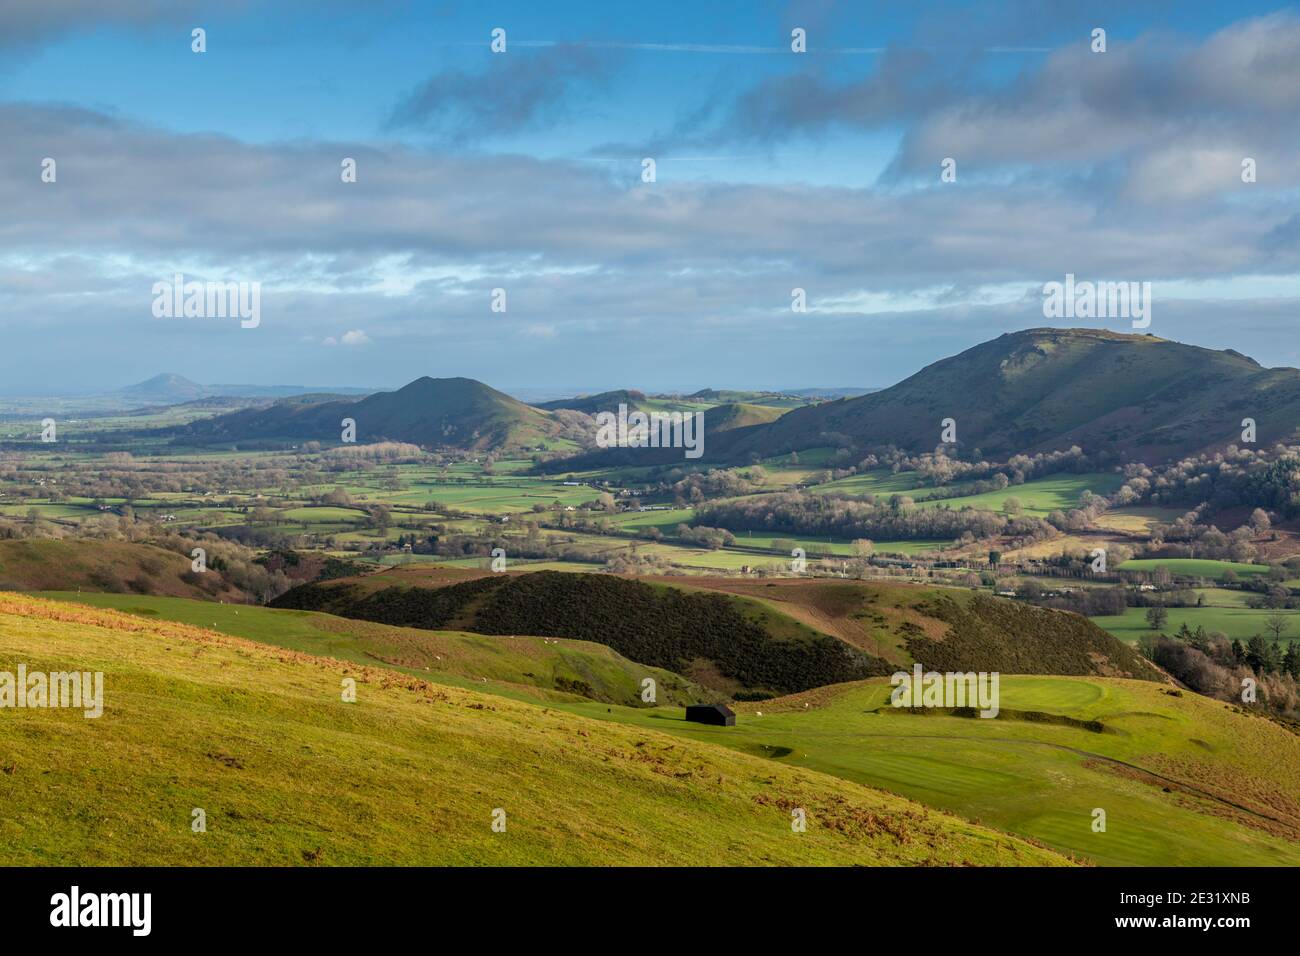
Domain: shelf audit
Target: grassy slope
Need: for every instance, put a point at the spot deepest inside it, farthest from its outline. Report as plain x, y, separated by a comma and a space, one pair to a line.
409, 774
710, 637
1207, 786
535, 667
34, 565
722, 418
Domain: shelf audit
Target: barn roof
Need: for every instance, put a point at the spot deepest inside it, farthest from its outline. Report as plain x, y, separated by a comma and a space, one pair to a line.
720, 708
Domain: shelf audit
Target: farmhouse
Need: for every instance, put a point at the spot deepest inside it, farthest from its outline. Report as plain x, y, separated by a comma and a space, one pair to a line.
719, 715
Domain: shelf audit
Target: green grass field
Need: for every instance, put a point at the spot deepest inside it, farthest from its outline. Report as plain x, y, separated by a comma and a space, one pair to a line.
486, 496
842, 547
1039, 497
1223, 597
1239, 623
665, 521
322, 515
1137, 519
1233, 781
879, 482
1193, 567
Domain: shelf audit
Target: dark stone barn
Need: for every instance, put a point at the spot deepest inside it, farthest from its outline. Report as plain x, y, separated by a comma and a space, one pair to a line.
719, 715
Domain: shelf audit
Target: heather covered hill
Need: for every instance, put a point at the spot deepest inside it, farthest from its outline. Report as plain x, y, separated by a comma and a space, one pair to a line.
600, 402
722, 642
739, 636
943, 628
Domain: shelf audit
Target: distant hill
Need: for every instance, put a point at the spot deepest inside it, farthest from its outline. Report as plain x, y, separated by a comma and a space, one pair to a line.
786, 396
737, 636
601, 402
829, 393
165, 389
727, 411
1141, 397
171, 389
434, 412
731, 396
1137, 397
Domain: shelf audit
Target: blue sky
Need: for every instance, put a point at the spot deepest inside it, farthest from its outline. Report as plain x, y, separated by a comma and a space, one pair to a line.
521, 171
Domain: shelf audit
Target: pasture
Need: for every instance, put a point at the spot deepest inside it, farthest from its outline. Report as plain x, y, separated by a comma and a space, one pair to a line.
1184, 781
1193, 567
1238, 623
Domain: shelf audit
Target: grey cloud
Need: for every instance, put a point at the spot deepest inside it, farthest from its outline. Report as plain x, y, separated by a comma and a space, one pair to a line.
664, 273
138, 191
519, 90
1137, 107
1155, 118
31, 23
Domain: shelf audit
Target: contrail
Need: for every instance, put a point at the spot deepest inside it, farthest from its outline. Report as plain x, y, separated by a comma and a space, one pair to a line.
733, 48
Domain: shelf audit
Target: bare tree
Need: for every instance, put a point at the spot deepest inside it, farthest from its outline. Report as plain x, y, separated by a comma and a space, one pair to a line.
1277, 624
